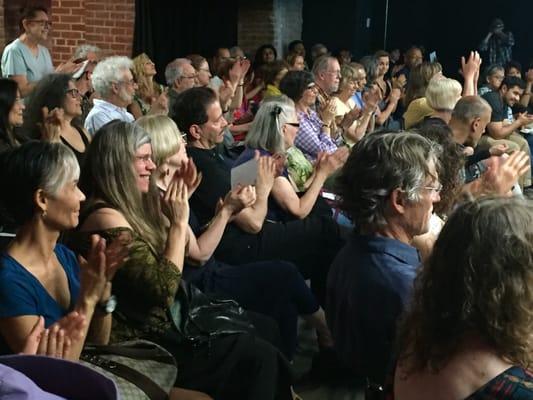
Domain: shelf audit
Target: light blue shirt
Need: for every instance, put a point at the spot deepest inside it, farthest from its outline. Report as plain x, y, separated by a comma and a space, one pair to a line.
104, 112
18, 59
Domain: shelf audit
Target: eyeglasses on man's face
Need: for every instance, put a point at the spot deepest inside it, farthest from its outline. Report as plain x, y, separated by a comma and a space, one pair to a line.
74, 93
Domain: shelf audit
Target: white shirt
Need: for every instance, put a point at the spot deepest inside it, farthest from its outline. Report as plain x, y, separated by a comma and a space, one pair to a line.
104, 112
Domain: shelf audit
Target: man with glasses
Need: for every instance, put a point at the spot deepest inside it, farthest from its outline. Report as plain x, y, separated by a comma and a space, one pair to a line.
113, 83
180, 76
327, 72
388, 187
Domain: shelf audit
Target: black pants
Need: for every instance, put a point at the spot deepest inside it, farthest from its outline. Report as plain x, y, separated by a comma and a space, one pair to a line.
232, 367
311, 244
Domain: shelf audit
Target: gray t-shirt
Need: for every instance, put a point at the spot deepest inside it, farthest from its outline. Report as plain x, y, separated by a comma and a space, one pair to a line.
18, 59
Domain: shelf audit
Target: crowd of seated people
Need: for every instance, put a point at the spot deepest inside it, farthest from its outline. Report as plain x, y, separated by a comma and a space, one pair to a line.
229, 176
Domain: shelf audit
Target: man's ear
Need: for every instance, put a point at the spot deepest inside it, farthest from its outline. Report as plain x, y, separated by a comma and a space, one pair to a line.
195, 131
397, 201
40, 200
474, 124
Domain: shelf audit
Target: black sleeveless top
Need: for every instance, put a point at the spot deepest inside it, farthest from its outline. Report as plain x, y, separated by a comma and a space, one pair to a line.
79, 155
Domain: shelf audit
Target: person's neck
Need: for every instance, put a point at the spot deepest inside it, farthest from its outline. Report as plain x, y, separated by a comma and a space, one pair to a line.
459, 131
200, 144
320, 84
29, 40
116, 101
301, 107
34, 243
395, 231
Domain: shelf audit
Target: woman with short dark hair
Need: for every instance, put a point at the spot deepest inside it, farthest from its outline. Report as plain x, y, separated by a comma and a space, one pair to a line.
11, 113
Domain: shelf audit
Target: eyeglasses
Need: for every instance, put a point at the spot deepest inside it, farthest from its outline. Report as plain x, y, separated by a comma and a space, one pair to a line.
42, 22
190, 77
145, 159
295, 124
74, 93
335, 73
436, 189
129, 82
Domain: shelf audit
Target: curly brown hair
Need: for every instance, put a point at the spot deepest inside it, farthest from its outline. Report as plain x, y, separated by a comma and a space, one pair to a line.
451, 162
478, 280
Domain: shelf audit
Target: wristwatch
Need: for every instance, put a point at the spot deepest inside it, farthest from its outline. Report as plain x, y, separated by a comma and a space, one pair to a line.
107, 307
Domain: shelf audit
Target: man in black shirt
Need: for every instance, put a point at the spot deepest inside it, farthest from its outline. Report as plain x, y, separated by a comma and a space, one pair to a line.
502, 124
310, 243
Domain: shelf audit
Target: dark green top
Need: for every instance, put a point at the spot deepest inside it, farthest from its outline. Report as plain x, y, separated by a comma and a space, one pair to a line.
145, 287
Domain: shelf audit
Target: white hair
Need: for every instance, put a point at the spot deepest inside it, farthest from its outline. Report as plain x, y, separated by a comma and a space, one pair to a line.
108, 71
174, 70
84, 49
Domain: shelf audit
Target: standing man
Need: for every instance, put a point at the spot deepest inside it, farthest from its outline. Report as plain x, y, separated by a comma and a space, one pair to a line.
498, 44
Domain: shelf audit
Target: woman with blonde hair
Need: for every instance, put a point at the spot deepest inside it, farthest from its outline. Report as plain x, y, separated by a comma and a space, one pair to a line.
284, 292
150, 96
468, 332
121, 199
442, 94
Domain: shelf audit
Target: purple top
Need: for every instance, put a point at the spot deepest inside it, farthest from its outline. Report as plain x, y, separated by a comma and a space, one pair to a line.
311, 139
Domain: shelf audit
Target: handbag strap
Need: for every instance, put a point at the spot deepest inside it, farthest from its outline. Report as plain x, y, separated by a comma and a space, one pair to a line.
137, 353
147, 385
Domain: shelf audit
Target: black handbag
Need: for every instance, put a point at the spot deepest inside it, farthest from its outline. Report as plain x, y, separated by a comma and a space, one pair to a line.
199, 317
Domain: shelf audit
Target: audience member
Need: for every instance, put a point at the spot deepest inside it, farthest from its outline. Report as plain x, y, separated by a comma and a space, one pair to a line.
11, 114
26, 60
202, 69
314, 135
296, 62
50, 115
412, 57
414, 101
441, 95
502, 124
466, 334
150, 97
285, 294
38, 276
225, 367
513, 68
498, 44
250, 237
493, 78
274, 73
180, 76
387, 187
114, 84
318, 50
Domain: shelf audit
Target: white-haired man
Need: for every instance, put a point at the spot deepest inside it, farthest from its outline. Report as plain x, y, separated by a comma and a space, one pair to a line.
114, 84
180, 76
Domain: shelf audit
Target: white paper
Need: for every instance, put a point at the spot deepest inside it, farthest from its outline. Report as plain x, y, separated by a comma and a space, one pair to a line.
433, 56
245, 174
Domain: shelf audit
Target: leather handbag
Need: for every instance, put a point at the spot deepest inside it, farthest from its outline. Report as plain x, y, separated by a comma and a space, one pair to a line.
142, 370
198, 317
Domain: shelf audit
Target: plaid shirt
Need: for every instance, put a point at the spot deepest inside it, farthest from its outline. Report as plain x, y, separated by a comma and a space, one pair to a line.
310, 139
499, 49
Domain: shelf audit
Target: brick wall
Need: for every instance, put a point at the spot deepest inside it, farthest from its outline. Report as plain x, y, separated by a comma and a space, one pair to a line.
269, 21
107, 24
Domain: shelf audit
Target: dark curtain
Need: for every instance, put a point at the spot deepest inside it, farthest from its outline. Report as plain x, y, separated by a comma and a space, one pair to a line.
452, 27
168, 30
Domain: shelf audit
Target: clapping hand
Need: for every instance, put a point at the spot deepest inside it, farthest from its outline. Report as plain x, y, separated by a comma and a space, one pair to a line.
56, 341
237, 199
190, 176
175, 202
52, 123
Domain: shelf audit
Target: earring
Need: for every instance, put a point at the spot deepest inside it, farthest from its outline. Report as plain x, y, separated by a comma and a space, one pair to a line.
43, 214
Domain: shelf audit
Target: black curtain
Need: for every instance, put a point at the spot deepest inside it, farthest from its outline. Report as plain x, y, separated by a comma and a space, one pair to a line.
452, 27
168, 30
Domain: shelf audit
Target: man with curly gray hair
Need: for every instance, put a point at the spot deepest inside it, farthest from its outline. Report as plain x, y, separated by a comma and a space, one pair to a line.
388, 187
113, 83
